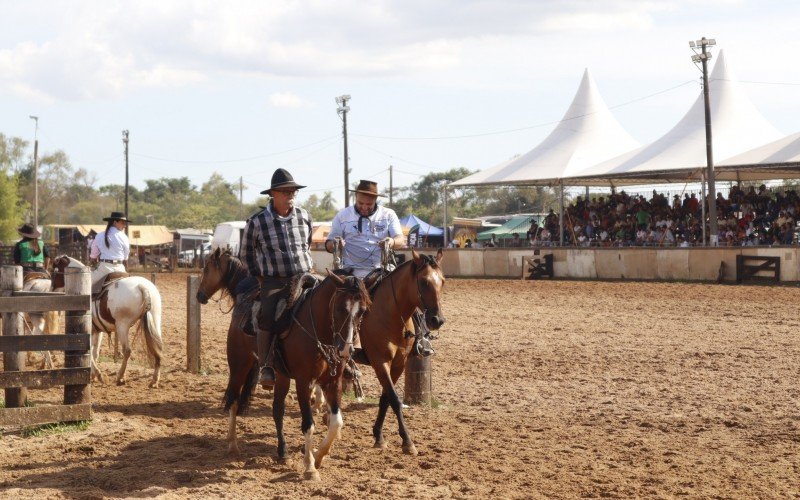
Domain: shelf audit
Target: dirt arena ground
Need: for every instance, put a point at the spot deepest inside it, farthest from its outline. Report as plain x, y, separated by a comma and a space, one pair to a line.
543, 389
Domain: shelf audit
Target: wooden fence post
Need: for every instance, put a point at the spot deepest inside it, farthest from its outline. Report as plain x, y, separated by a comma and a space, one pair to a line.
11, 281
77, 281
418, 380
153, 278
192, 325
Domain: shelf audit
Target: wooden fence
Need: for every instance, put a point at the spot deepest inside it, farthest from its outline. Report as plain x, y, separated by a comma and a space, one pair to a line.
76, 344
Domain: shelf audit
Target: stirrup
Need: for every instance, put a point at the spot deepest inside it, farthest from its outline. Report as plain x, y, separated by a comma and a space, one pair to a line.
266, 377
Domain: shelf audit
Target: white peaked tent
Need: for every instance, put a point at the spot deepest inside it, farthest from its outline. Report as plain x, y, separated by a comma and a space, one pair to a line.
680, 154
777, 160
588, 133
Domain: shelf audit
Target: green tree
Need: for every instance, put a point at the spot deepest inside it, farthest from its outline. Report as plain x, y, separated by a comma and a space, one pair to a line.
321, 209
11, 207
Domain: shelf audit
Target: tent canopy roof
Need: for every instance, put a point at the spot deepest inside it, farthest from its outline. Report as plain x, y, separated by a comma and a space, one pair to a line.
518, 224
587, 133
425, 229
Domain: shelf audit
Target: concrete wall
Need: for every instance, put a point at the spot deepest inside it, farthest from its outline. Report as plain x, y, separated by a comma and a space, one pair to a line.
684, 264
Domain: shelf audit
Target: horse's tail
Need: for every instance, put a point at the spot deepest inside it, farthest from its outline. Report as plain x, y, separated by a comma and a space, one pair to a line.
241, 396
151, 323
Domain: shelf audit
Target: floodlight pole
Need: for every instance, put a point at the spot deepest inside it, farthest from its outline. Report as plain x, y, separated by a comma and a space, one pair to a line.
342, 110
561, 215
35, 173
703, 205
704, 56
444, 223
125, 141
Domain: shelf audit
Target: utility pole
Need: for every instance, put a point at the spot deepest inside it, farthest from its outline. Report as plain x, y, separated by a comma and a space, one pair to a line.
444, 223
342, 110
703, 58
35, 172
125, 141
391, 186
241, 203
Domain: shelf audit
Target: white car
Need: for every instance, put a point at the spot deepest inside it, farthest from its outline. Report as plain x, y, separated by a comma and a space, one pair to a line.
190, 258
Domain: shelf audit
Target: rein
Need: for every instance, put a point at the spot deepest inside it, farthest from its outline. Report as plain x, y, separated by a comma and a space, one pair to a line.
233, 272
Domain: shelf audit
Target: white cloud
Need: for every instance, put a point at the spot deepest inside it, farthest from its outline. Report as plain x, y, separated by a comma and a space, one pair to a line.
287, 100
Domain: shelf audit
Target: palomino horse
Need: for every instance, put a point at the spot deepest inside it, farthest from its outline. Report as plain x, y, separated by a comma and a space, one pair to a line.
386, 330
120, 306
314, 349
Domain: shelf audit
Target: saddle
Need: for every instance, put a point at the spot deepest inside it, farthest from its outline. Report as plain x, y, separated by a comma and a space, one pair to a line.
109, 280
35, 275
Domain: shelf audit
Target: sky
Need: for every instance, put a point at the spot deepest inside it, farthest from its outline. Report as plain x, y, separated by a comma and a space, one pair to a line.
244, 87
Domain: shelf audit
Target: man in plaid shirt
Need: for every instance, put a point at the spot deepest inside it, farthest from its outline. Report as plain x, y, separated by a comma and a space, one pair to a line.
276, 247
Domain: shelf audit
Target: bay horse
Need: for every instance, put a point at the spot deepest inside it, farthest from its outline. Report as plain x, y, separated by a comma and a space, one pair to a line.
125, 302
387, 330
225, 273
314, 349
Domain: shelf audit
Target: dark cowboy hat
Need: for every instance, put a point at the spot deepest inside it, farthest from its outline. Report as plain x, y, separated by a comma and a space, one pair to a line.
116, 216
28, 231
282, 179
367, 187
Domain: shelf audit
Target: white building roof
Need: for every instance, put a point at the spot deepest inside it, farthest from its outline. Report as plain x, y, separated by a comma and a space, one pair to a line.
588, 133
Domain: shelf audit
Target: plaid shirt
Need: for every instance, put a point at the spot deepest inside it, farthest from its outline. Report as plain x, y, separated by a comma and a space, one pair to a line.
277, 246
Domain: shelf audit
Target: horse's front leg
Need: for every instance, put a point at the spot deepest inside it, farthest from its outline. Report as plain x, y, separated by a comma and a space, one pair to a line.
279, 393
398, 365
333, 394
307, 426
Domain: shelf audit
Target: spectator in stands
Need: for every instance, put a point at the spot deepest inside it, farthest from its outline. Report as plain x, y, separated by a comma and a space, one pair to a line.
492, 243
468, 243
515, 241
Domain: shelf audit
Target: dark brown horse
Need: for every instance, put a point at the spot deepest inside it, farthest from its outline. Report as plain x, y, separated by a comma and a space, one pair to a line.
314, 350
386, 330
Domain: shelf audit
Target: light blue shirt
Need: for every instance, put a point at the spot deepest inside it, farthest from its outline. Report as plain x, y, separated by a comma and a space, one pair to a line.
119, 247
361, 249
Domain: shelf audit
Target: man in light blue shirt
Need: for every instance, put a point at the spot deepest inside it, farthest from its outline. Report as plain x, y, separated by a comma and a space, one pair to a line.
363, 227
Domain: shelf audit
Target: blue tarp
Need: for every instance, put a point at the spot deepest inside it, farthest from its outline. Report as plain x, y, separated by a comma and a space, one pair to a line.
425, 229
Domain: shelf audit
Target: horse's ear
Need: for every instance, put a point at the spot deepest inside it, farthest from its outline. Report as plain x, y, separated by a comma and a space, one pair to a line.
338, 279
415, 256
439, 255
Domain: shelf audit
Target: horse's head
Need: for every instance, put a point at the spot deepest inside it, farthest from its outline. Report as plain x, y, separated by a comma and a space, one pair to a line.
430, 280
348, 305
60, 263
216, 270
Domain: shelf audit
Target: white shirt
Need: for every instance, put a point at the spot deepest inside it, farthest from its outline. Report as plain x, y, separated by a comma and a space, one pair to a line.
119, 248
361, 249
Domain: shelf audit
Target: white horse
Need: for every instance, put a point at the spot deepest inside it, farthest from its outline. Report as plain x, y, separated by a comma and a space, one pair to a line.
40, 322
126, 301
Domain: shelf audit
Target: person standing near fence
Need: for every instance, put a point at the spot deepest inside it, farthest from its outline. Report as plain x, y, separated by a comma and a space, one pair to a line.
276, 247
30, 252
112, 249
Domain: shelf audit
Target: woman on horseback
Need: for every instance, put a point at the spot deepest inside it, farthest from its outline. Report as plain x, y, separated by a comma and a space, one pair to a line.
30, 252
112, 248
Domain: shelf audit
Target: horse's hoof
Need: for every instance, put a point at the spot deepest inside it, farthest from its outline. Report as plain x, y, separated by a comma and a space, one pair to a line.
311, 475
410, 449
121, 381
154, 385
233, 450
379, 444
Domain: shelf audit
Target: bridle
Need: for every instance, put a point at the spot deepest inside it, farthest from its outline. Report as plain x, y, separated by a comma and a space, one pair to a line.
228, 276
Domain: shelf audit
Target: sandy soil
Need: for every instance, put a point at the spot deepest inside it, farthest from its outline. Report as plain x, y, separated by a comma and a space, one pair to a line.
543, 389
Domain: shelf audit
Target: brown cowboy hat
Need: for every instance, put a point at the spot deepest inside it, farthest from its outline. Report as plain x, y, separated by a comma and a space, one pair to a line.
282, 179
367, 187
28, 231
116, 216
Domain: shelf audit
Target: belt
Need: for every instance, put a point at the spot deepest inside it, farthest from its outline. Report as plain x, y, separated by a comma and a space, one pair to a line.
111, 261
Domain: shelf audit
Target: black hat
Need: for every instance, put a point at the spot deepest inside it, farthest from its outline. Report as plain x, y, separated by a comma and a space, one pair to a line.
28, 231
116, 216
367, 187
282, 179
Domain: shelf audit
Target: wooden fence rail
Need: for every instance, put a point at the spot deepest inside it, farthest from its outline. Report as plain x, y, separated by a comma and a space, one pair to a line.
76, 344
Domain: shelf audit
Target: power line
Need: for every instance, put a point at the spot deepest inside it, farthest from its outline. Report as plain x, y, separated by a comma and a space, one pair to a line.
258, 157
520, 129
393, 156
794, 84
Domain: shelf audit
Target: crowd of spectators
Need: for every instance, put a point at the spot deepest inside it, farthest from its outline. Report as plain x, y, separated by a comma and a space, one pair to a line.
747, 217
